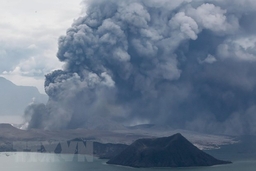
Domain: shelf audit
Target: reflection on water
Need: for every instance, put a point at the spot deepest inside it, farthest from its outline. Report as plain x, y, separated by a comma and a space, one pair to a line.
54, 162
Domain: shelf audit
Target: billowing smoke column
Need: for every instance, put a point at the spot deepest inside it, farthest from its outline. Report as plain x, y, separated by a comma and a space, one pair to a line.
184, 63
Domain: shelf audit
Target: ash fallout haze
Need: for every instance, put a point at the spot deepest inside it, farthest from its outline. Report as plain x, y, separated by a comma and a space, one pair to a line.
188, 64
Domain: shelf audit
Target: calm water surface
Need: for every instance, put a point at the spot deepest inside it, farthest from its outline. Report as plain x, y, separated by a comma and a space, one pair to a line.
52, 162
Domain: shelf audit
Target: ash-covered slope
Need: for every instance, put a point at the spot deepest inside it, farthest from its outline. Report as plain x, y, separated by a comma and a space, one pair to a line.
173, 151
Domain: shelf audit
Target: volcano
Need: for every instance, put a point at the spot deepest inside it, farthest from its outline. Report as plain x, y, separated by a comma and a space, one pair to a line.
173, 151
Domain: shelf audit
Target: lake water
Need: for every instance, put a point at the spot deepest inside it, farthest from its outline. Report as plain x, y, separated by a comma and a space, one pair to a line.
52, 162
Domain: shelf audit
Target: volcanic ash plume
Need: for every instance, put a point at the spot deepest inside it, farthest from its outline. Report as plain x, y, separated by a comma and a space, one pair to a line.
184, 63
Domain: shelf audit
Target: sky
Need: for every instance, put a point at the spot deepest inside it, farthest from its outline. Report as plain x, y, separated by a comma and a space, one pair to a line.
29, 31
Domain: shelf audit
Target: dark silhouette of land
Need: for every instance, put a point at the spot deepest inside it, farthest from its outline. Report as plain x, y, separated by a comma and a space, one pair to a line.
173, 151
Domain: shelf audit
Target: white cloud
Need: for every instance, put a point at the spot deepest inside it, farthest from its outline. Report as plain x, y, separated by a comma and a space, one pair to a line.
29, 31
209, 59
185, 25
214, 18
238, 48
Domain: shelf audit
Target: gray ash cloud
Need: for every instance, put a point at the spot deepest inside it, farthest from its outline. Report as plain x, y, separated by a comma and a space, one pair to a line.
185, 63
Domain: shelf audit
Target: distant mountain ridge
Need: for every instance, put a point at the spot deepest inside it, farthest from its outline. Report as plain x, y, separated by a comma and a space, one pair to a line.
173, 151
14, 99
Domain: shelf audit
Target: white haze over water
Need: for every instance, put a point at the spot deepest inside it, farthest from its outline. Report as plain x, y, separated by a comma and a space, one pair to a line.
42, 162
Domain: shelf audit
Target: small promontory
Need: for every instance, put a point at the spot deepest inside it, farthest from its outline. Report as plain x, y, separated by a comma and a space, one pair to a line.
173, 151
